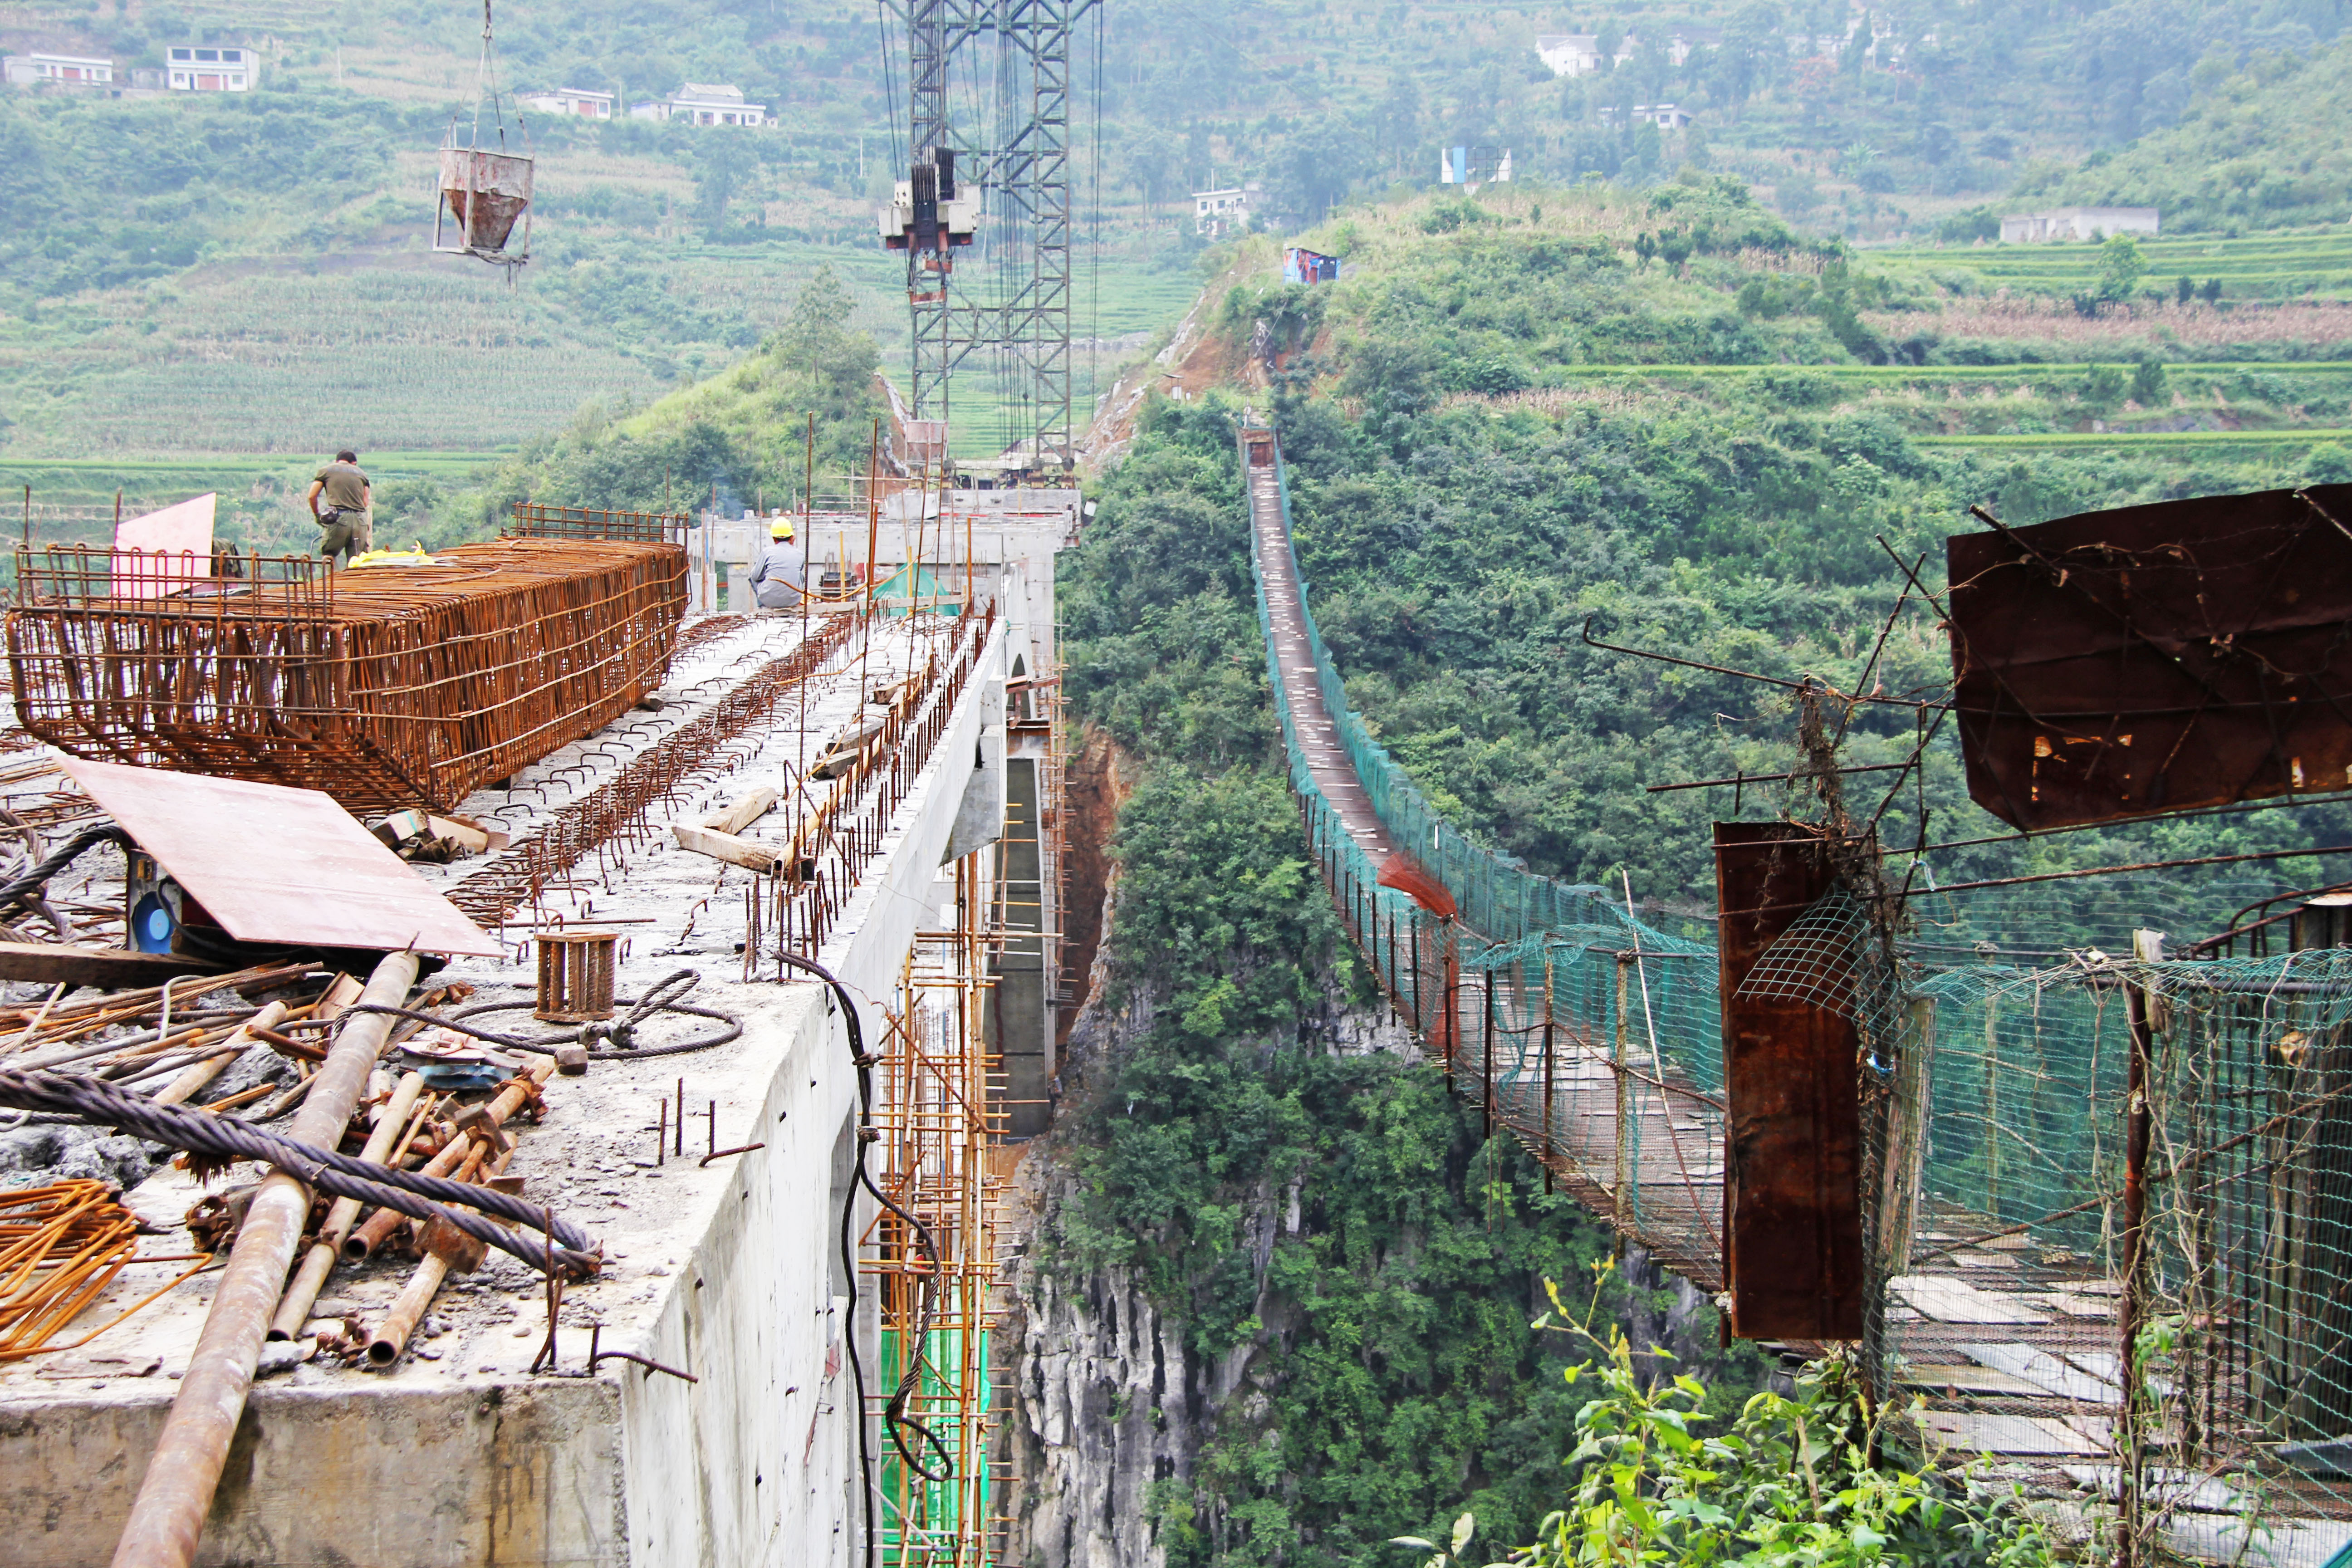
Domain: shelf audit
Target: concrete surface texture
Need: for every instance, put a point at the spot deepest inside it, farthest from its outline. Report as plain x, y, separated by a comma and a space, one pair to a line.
459, 1454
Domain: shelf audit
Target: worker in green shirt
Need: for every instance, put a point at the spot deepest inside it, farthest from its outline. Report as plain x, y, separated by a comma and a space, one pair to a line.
346, 518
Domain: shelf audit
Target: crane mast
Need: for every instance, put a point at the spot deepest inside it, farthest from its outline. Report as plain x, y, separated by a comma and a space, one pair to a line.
985, 224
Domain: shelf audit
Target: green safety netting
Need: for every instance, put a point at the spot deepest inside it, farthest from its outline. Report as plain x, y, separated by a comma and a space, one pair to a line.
1999, 1041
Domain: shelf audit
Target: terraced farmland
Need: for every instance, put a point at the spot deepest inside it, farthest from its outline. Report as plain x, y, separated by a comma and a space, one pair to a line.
2271, 266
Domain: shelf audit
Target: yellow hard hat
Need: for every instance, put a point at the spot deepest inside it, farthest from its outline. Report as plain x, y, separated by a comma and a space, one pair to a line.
781, 529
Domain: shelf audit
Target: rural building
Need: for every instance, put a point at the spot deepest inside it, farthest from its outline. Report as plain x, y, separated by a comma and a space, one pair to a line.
2076, 223
1664, 116
1570, 54
1474, 166
212, 68
61, 71
1300, 265
574, 100
703, 103
1217, 210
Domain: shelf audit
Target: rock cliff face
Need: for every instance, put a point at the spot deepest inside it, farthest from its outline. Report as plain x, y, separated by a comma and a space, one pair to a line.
1108, 1400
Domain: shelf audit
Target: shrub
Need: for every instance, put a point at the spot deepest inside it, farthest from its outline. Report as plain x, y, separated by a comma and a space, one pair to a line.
1793, 1483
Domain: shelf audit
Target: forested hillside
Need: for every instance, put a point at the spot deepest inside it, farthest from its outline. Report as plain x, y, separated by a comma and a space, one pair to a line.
1469, 498
2257, 148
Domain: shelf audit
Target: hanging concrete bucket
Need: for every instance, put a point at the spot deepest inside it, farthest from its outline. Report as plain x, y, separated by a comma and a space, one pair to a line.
482, 196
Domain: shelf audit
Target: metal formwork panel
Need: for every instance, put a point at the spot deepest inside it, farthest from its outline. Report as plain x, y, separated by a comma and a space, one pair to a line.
2154, 659
1793, 1259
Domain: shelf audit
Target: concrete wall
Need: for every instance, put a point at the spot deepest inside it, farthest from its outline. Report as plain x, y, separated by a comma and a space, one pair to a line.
758, 1306
523, 1474
443, 1463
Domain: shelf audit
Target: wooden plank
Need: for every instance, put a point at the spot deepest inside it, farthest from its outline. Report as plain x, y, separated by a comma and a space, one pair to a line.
726, 846
110, 968
2047, 1371
1949, 1300
746, 811
1954, 1377
2018, 1435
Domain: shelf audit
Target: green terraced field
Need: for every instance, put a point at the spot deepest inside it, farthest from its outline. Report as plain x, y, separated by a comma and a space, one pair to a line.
2254, 267
1906, 376
2145, 444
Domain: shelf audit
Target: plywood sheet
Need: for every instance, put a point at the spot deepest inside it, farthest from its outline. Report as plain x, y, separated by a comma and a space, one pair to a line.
279, 865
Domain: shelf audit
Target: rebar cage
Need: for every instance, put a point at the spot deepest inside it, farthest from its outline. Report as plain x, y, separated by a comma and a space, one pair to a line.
382, 686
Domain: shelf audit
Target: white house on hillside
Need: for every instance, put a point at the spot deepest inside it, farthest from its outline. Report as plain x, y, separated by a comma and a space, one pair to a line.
1664, 116
573, 100
703, 103
2076, 223
1215, 212
62, 70
211, 68
1570, 54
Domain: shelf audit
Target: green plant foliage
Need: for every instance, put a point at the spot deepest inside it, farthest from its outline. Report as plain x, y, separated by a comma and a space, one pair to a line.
1456, 543
738, 437
1384, 1331
1810, 1480
2262, 145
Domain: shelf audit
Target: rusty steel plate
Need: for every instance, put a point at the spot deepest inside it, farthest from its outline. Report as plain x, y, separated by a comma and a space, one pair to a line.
2155, 658
277, 865
1792, 1253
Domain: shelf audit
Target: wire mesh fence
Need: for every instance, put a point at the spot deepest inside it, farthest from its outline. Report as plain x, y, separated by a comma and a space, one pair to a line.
2107, 1197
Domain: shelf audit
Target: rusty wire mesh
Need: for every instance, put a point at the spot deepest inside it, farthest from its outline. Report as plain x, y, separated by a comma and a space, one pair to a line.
382, 686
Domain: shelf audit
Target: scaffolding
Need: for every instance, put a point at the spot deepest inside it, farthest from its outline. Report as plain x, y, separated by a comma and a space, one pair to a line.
932, 1248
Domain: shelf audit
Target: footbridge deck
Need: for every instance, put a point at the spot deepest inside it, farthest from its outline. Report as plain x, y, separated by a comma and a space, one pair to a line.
1545, 1001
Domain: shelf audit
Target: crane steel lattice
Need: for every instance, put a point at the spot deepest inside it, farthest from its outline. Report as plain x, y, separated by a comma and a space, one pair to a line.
1019, 222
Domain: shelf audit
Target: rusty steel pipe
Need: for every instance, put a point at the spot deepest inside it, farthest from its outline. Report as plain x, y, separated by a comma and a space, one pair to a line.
408, 1309
199, 1074
392, 1128
378, 1227
167, 1518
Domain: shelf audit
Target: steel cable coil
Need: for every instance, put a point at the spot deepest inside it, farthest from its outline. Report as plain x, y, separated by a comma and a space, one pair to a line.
405, 1192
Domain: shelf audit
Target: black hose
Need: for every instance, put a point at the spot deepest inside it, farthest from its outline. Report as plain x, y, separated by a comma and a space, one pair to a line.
58, 859
201, 1133
894, 1414
661, 998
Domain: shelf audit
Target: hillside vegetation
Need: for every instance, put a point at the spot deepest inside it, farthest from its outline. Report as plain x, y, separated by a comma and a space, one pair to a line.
2263, 148
1468, 500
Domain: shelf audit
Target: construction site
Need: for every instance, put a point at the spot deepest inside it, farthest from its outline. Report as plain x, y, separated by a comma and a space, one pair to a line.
711, 959
525, 1052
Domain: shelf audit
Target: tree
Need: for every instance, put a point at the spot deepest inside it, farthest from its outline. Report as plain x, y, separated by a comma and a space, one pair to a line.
1311, 169
2147, 382
2121, 267
720, 163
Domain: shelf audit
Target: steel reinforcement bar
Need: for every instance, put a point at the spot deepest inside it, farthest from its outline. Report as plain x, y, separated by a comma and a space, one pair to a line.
835, 838
618, 809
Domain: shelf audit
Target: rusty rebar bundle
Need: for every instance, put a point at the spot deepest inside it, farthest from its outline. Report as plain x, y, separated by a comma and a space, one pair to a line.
382, 686
60, 1247
655, 776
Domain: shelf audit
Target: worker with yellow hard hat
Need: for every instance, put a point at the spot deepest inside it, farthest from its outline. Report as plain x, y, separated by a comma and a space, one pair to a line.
781, 577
